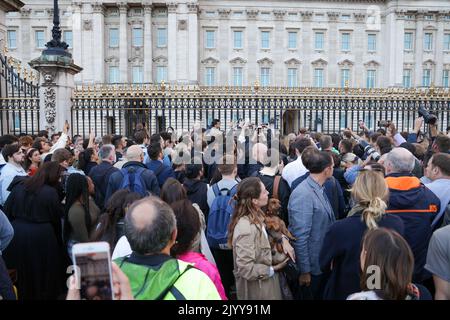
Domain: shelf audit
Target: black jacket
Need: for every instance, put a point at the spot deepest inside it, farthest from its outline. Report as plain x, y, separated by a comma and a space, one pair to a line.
100, 176
197, 192
284, 192
341, 248
149, 180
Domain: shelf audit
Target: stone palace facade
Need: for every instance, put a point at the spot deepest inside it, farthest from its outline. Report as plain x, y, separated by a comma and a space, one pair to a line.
366, 44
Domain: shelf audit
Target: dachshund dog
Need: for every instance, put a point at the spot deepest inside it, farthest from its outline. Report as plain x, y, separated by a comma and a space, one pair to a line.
276, 228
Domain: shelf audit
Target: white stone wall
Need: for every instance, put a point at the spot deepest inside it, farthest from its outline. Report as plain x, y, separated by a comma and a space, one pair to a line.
187, 21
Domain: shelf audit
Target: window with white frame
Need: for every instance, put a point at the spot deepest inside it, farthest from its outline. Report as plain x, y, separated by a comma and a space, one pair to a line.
210, 42
237, 39
447, 42
407, 81
12, 39
68, 38
138, 37
318, 78
345, 45
113, 37
40, 38
161, 37
426, 77
265, 76
138, 74
372, 42
114, 74
265, 39
237, 76
319, 40
292, 40
428, 41
292, 77
161, 74
345, 77
445, 79
210, 76
371, 79
408, 41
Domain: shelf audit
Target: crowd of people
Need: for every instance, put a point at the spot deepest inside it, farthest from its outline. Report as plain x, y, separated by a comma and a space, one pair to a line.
237, 214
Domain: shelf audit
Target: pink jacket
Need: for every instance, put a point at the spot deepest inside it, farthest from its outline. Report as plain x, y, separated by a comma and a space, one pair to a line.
201, 263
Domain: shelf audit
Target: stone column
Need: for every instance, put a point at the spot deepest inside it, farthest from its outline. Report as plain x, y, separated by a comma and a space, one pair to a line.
148, 73
76, 32
123, 42
439, 51
98, 49
419, 51
55, 92
26, 36
193, 52
172, 41
399, 51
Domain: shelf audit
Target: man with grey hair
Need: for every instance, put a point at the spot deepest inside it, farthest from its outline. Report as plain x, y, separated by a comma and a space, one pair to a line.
414, 203
151, 230
133, 176
100, 174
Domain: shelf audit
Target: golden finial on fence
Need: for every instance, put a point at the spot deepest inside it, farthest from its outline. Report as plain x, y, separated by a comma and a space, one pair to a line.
256, 86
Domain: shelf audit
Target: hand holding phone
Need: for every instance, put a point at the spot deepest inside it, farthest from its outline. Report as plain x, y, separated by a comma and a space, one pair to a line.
92, 263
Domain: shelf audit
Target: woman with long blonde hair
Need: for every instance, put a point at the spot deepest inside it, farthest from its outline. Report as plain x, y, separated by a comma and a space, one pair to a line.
341, 247
256, 278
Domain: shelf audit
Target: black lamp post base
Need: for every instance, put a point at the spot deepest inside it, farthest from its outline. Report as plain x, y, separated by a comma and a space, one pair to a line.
57, 51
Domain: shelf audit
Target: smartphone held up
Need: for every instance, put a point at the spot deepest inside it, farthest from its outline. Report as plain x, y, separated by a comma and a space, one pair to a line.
93, 270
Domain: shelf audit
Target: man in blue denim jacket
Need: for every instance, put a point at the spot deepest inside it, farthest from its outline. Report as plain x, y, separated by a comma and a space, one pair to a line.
310, 216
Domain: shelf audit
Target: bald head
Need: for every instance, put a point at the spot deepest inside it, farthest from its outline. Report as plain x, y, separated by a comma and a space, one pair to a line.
149, 225
135, 153
259, 152
399, 160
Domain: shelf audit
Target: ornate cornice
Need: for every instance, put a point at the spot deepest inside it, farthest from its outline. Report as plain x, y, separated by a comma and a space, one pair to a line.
306, 15
98, 8
224, 13
279, 14
192, 7
123, 7
252, 14
333, 16
172, 7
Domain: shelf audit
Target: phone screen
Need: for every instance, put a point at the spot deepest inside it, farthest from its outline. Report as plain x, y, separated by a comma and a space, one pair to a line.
95, 277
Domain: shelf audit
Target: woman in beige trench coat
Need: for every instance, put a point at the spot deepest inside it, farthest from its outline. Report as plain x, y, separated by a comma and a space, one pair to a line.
256, 278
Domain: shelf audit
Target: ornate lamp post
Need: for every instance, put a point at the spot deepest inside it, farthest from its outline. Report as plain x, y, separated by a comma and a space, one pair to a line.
55, 46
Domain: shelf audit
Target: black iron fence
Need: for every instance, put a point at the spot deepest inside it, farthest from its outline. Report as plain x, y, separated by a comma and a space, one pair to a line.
110, 109
19, 98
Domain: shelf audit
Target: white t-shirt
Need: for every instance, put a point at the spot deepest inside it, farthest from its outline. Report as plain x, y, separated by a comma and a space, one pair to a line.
122, 248
294, 170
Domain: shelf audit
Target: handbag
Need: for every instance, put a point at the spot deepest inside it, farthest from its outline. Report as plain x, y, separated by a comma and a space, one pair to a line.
291, 271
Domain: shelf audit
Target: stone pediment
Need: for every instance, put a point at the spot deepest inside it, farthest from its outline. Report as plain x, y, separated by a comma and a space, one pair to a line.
346, 62
112, 59
371, 63
210, 61
319, 62
238, 60
160, 59
293, 61
265, 61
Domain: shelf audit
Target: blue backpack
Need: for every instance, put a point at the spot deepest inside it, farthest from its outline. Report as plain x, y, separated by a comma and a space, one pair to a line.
132, 180
219, 217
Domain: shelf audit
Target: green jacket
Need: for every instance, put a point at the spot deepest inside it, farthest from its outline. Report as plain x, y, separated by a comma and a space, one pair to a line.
161, 277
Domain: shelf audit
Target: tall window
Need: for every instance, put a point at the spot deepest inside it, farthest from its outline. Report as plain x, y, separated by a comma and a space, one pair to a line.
114, 74
319, 40
68, 38
345, 42
345, 77
371, 79
372, 42
292, 77
318, 78
445, 79
408, 43
210, 76
265, 37
161, 74
237, 37
426, 79
265, 77
114, 37
40, 38
237, 76
210, 39
138, 74
12, 39
407, 78
292, 40
138, 37
428, 41
161, 37
447, 41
